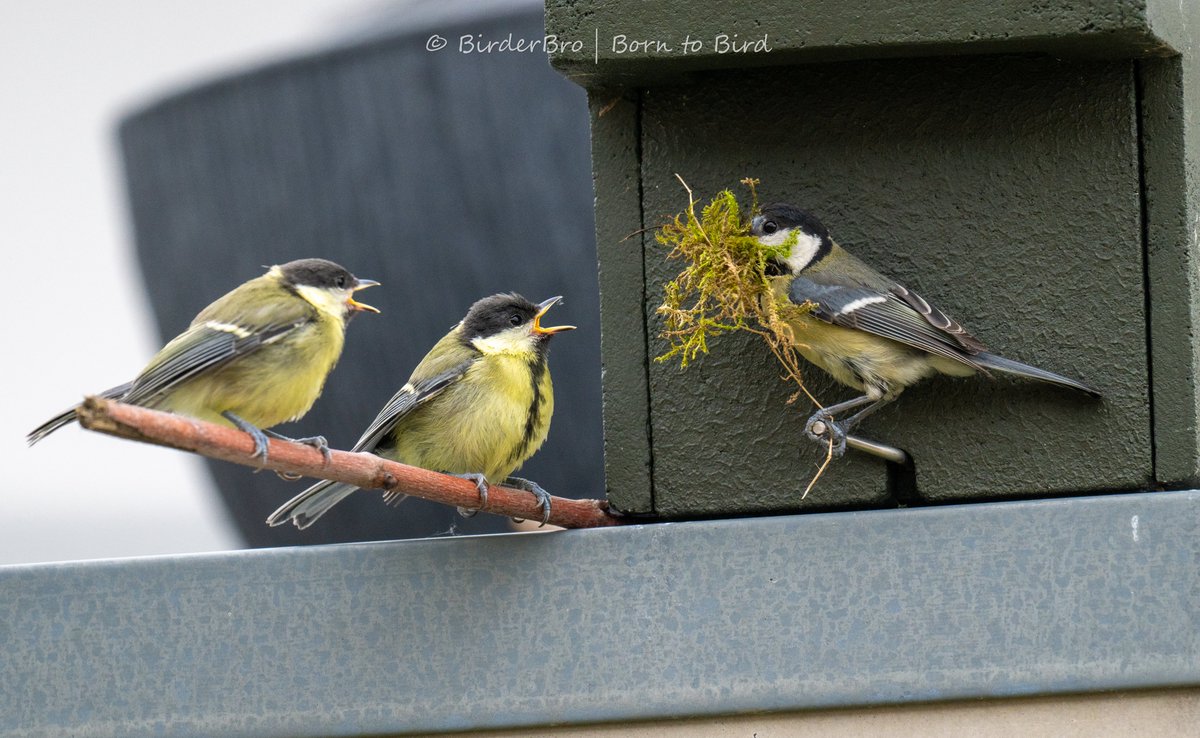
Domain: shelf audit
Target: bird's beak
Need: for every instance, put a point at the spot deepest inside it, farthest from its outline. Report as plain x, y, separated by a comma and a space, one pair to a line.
357, 306
542, 307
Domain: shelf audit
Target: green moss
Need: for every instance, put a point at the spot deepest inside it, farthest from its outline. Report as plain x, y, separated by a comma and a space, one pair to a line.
724, 286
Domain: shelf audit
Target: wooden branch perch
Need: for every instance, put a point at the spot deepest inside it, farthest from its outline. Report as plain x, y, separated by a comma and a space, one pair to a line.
360, 469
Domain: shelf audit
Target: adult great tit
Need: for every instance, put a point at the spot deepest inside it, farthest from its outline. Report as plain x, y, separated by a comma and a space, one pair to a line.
256, 357
477, 406
867, 331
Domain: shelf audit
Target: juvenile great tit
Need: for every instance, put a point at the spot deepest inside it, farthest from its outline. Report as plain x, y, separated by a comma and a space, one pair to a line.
256, 357
477, 406
867, 331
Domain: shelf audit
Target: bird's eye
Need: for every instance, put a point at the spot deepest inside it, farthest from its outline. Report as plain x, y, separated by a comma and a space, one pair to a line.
340, 281
514, 319
770, 227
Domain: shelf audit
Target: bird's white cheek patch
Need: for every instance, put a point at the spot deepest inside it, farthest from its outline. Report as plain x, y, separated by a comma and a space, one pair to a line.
860, 303
515, 341
804, 251
332, 302
774, 239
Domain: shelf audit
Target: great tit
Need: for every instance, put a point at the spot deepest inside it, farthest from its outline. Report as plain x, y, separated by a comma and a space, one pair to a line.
256, 357
867, 331
477, 406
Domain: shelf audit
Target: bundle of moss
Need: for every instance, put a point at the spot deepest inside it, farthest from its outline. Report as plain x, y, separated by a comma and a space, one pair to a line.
724, 286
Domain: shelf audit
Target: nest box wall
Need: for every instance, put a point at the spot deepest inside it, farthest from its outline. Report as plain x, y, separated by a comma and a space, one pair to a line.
1026, 172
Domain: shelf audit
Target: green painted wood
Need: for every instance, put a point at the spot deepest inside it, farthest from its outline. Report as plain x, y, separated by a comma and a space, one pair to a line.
1170, 99
632, 41
1050, 201
615, 150
1004, 189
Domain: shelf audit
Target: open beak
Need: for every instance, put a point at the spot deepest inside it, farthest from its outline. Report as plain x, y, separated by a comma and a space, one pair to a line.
357, 306
542, 307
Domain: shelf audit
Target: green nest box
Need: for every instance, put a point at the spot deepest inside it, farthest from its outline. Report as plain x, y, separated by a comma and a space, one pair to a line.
1031, 168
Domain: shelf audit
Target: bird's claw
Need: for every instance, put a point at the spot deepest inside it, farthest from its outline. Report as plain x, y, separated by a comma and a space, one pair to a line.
261, 444
320, 444
481, 484
317, 442
535, 489
822, 428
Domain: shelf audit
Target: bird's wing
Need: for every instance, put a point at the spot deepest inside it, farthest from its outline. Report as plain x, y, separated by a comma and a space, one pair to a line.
938, 319
410, 397
203, 347
885, 314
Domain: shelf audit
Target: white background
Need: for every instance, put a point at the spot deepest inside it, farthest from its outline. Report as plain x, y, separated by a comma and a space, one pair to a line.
76, 318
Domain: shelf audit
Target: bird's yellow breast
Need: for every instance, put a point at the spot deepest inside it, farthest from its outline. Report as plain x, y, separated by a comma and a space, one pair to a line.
279, 382
871, 364
489, 422
827, 345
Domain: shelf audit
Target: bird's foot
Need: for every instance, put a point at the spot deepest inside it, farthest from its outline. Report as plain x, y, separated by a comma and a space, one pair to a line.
317, 442
822, 428
260, 438
481, 484
543, 497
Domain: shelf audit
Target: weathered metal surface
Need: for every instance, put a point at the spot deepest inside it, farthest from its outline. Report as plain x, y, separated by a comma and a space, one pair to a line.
653, 621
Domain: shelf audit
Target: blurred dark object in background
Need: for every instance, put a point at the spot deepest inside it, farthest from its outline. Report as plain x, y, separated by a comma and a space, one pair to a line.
446, 176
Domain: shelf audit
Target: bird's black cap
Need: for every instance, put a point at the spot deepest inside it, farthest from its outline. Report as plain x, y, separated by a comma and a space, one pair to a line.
789, 216
489, 316
317, 273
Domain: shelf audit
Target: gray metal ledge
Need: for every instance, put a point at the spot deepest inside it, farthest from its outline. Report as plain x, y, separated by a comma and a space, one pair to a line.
647, 621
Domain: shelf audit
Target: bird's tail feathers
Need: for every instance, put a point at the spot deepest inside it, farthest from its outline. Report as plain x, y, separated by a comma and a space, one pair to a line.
64, 418
1008, 366
67, 417
312, 503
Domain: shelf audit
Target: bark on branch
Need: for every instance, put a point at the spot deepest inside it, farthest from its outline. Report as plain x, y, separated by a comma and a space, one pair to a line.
360, 469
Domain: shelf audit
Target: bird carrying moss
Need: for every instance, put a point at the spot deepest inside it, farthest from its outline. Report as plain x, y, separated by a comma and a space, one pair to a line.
724, 285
